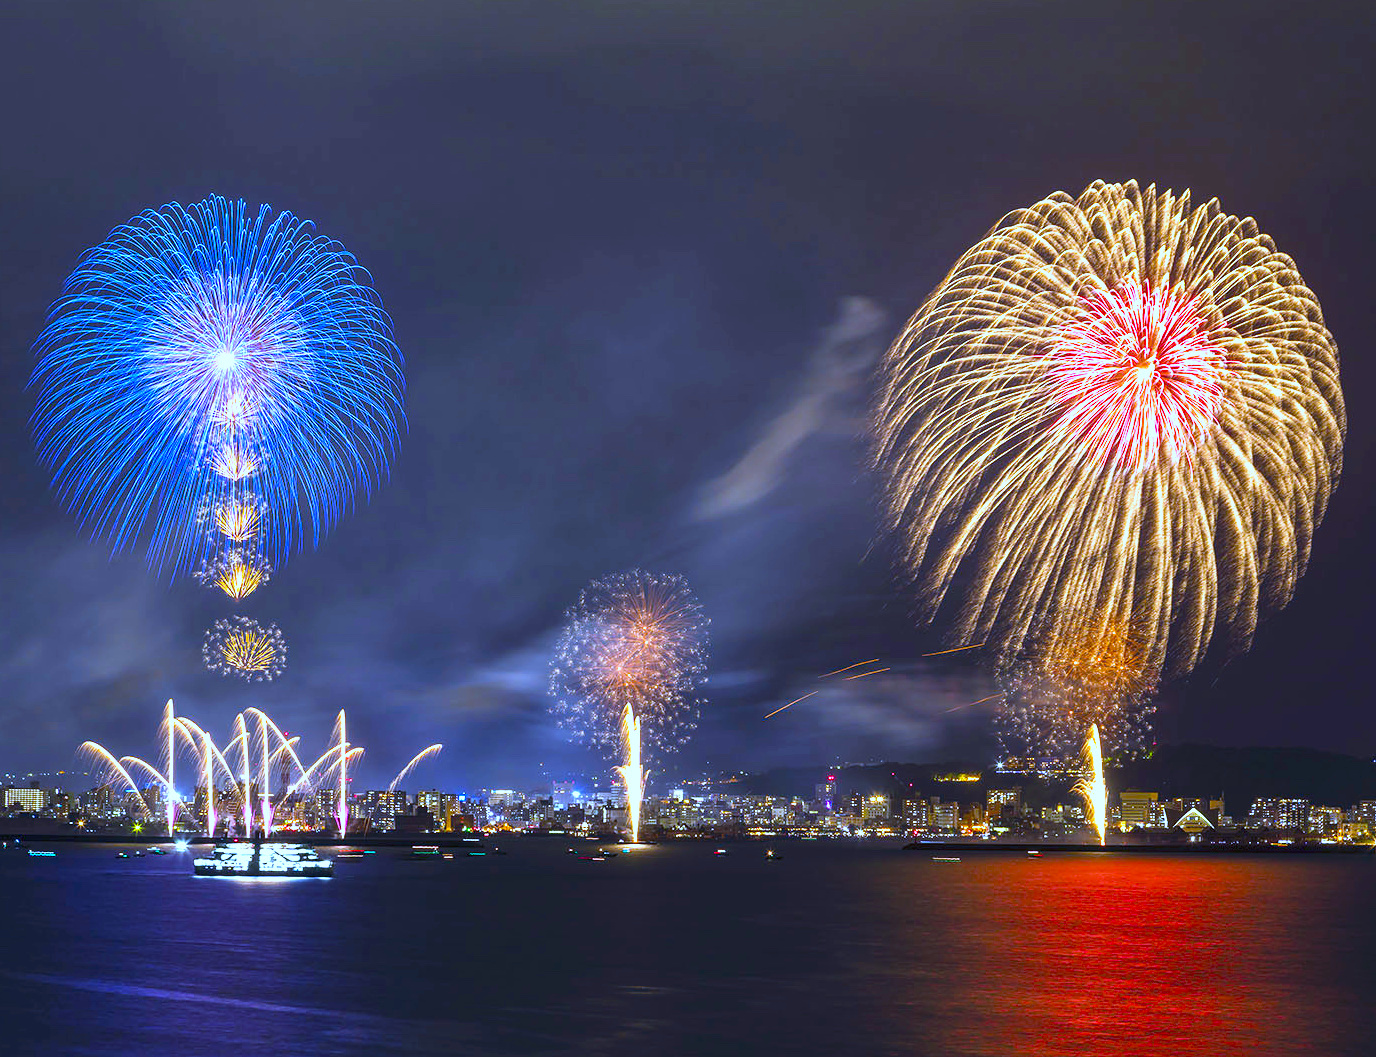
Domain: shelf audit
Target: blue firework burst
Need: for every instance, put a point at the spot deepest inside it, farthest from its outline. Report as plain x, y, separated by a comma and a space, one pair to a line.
201, 359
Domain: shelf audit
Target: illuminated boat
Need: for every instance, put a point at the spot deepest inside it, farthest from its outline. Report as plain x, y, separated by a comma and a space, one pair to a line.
262, 859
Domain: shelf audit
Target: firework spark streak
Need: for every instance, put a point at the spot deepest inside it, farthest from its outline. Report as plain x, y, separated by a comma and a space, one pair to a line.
1115, 411
812, 693
857, 664
863, 675
199, 346
635, 640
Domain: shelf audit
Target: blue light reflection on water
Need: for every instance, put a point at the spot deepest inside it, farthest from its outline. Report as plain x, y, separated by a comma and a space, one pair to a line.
832, 949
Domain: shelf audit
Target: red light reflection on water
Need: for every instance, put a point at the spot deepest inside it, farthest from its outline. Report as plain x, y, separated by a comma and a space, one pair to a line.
1121, 956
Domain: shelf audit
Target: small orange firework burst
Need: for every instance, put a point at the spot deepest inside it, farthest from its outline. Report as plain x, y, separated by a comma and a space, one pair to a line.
1100, 675
234, 463
636, 640
237, 575
237, 519
243, 647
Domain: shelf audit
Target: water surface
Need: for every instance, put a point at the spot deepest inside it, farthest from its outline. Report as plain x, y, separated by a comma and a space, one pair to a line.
833, 949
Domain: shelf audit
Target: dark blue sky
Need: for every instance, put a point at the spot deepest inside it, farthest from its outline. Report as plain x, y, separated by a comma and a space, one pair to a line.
640, 259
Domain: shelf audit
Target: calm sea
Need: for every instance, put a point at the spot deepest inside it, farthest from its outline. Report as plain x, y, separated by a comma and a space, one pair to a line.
833, 949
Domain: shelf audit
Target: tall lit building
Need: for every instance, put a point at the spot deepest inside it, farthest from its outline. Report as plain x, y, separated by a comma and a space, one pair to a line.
945, 816
916, 814
875, 808
1274, 813
824, 795
565, 795
442, 807
1003, 804
1324, 819
381, 807
1140, 809
30, 799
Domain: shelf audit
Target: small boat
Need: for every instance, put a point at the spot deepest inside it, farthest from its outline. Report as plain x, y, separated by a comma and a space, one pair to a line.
157, 851
945, 858
1034, 852
721, 851
121, 855
448, 855
772, 855
262, 859
425, 851
350, 853
137, 853
43, 854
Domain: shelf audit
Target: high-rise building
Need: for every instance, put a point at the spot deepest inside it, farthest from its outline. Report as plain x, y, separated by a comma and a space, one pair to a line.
565, 795
1324, 819
824, 795
945, 816
30, 799
916, 814
1279, 813
1003, 805
875, 808
381, 806
1140, 809
442, 807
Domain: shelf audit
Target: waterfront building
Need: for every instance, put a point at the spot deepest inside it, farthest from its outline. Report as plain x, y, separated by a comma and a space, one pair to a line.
824, 795
1323, 819
1003, 805
875, 808
381, 806
441, 806
916, 815
1194, 822
1140, 810
1279, 813
945, 816
29, 799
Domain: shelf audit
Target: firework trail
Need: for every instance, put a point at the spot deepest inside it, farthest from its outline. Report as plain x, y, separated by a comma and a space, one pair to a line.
1091, 786
828, 675
636, 640
199, 350
633, 774
109, 769
1116, 412
208, 754
424, 754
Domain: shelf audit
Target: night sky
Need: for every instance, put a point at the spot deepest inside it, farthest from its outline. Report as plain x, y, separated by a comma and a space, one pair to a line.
640, 259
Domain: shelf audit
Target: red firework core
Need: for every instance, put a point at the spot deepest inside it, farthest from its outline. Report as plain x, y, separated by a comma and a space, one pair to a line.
1135, 373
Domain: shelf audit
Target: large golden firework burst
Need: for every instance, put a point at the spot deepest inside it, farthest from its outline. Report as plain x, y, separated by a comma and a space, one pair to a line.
1118, 408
